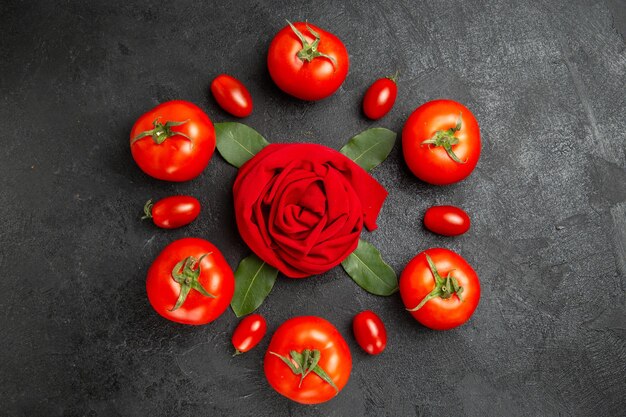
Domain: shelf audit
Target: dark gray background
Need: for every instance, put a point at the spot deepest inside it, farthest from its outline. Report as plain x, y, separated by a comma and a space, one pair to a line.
546, 80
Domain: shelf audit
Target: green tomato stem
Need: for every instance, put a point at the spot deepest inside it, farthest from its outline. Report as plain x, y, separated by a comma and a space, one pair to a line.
147, 209
161, 132
444, 287
185, 274
309, 50
446, 138
305, 362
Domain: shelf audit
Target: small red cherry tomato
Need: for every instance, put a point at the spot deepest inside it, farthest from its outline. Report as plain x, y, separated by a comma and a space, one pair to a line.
232, 95
446, 220
370, 332
172, 212
380, 97
249, 333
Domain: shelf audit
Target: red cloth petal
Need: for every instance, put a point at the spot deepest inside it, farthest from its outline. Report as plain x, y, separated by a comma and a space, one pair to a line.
301, 207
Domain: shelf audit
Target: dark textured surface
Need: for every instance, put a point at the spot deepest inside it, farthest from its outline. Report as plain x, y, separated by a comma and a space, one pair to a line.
548, 203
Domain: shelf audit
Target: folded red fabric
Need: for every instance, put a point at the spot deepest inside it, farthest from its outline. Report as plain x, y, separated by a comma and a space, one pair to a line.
301, 207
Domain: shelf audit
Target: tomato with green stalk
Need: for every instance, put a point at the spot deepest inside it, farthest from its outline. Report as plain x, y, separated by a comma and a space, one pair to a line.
307, 62
190, 282
441, 142
440, 289
173, 142
307, 361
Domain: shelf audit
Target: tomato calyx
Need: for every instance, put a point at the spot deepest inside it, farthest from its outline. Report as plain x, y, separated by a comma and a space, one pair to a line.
185, 274
444, 287
304, 363
393, 77
309, 50
446, 139
147, 209
161, 132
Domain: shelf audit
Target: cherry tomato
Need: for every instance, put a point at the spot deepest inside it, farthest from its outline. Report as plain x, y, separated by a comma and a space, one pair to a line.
440, 289
172, 212
232, 95
307, 62
249, 333
380, 97
370, 332
446, 220
174, 141
441, 142
307, 361
190, 282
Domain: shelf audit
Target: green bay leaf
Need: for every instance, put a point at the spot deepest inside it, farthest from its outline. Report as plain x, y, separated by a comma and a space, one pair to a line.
370, 147
366, 267
254, 279
237, 143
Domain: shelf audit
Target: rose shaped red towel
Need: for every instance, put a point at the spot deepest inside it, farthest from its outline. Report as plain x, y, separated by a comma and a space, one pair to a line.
301, 207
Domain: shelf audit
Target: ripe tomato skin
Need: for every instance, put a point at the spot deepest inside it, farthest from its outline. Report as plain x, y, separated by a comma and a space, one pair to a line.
216, 277
447, 220
176, 158
305, 80
369, 331
232, 95
249, 333
416, 282
308, 332
380, 98
175, 211
433, 164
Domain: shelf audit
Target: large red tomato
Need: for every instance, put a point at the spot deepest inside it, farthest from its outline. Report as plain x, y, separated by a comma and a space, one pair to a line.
307, 62
190, 282
308, 361
441, 142
174, 141
440, 289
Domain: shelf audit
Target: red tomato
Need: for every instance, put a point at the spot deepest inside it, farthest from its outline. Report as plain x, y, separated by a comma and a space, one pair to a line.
370, 332
190, 282
307, 361
172, 212
380, 97
440, 289
249, 333
441, 142
232, 95
174, 141
307, 62
446, 220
